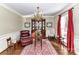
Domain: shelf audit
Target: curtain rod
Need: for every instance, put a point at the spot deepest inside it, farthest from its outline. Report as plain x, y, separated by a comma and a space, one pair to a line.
66, 11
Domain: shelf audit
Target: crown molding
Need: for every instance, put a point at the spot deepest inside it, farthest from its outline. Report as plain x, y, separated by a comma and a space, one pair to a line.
33, 15
66, 8
10, 9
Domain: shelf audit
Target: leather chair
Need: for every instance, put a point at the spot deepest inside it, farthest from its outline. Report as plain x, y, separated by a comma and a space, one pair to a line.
25, 38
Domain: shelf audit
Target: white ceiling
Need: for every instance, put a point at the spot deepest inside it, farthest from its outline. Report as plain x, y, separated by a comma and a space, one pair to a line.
29, 8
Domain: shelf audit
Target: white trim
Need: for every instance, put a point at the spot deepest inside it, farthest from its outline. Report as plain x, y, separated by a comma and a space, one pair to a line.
10, 9
33, 14
68, 7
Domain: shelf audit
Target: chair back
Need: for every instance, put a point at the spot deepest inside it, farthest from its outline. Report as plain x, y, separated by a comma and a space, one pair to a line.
9, 41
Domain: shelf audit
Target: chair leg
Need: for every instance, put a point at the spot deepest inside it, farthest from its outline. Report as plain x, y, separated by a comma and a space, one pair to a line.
41, 44
9, 50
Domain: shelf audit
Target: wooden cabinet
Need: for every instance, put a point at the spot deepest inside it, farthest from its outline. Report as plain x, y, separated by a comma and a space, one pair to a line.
39, 25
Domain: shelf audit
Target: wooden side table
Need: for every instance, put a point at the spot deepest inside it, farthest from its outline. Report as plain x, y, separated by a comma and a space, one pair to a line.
35, 42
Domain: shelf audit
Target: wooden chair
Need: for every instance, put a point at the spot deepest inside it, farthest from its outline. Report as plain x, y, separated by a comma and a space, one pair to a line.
10, 45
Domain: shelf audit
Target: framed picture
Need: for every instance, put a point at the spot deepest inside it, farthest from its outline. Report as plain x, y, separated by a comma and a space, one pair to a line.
49, 24
27, 24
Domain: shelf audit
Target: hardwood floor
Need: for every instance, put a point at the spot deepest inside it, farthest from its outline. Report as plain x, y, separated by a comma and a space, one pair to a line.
62, 50
18, 48
13, 51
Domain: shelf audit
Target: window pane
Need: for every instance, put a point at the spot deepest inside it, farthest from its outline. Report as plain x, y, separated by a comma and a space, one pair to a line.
64, 28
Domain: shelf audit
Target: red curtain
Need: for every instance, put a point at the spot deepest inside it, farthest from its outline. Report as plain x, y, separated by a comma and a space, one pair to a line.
70, 32
59, 29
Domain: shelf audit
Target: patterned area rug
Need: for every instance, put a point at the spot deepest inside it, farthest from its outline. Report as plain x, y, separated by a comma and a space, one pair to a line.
47, 49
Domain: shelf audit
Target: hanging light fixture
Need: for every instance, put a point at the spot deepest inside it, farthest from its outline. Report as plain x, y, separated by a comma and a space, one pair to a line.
38, 14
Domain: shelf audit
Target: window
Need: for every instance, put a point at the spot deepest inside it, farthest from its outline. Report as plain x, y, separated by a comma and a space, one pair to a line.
64, 22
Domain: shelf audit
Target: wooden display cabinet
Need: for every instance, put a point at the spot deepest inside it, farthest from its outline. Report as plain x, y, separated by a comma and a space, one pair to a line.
39, 24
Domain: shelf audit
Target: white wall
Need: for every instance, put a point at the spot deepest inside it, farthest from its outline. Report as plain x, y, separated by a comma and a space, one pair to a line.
76, 27
9, 21
10, 25
27, 19
55, 24
49, 31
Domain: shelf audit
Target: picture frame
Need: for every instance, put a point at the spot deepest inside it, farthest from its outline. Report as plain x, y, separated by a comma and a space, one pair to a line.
27, 24
49, 24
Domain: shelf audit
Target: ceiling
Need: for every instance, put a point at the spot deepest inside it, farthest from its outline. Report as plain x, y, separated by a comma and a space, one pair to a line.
29, 8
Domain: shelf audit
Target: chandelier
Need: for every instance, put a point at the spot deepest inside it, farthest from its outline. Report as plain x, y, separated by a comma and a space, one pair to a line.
38, 14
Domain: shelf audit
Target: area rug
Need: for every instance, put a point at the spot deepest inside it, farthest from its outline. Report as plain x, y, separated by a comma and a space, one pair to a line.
47, 49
